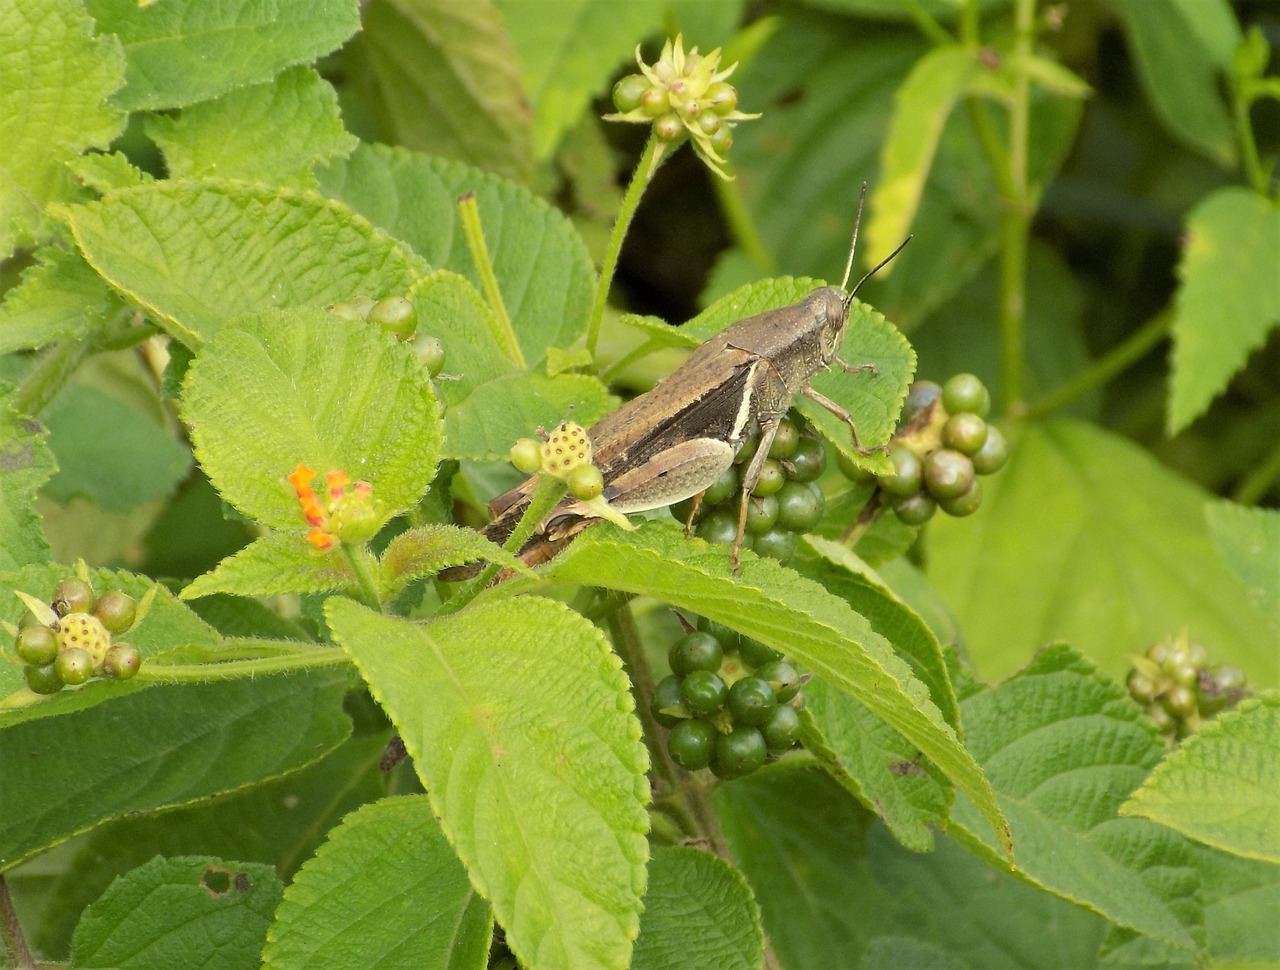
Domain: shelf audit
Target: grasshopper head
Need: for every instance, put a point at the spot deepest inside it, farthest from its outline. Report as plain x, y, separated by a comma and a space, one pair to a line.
830, 309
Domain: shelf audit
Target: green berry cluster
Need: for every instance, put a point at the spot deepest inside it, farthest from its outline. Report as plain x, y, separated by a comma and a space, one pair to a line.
1178, 687
71, 641
730, 702
398, 316
785, 503
943, 445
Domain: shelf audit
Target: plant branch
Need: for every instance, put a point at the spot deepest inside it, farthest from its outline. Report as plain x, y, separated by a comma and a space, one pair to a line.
287, 663
469, 211
360, 561
11, 930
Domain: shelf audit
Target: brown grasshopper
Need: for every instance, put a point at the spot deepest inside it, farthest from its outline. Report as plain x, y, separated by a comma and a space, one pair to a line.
671, 443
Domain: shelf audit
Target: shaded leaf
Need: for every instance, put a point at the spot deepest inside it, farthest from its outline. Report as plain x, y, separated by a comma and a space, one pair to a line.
1249, 540
25, 465
272, 565
59, 297
426, 550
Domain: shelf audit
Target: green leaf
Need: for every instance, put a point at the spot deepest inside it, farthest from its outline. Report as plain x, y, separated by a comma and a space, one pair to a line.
386, 891
1228, 300
104, 171
305, 386
1064, 746
109, 452
276, 564
544, 272
1241, 897
443, 77
698, 913
792, 614
426, 550
272, 132
1249, 541
1083, 537
571, 56
1182, 47
162, 746
200, 252
59, 297
183, 51
25, 464
55, 79
520, 723
197, 911
1222, 784
833, 890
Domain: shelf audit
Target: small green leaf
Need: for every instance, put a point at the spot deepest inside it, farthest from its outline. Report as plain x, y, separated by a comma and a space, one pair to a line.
698, 912
59, 297
386, 891
273, 565
55, 79
200, 252
183, 51
25, 464
272, 132
194, 911
1249, 540
520, 723
1229, 298
443, 77
1222, 784
426, 550
304, 386
104, 171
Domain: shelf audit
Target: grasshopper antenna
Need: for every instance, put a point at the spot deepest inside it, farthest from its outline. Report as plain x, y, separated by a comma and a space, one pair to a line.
853, 245
875, 269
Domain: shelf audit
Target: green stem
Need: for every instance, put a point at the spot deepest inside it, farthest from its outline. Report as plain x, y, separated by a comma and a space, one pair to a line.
1104, 369
928, 24
48, 376
1259, 481
471, 229
1249, 159
15, 942
291, 663
650, 159
626, 641
361, 563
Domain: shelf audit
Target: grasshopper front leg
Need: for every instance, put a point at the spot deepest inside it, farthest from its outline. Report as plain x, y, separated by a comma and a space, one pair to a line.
843, 415
768, 431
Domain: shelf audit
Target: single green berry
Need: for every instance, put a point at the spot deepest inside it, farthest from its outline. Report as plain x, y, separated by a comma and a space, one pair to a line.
782, 677
36, 645
703, 692
43, 679
800, 506
430, 351
72, 595
762, 514
709, 122
920, 395
1180, 701
722, 140
965, 432
1165, 722
722, 487
668, 127
1184, 673
526, 455
785, 440
752, 701
948, 473
729, 638
1141, 687
747, 450
116, 610
993, 454
396, 315
680, 510
695, 651
907, 474
719, 527
123, 661
915, 509
772, 478
740, 752
722, 97
778, 543
808, 461
629, 91
692, 744
586, 482
851, 470
655, 103
757, 654
781, 730
75, 666
966, 393
668, 703
966, 503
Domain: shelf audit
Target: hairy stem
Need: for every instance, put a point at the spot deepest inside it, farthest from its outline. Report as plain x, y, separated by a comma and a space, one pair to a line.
286, 663
505, 334
15, 943
361, 563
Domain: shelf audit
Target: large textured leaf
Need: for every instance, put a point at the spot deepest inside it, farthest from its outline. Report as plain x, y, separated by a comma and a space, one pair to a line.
272, 565
199, 252
1229, 298
1222, 785
520, 723
25, 465
1063, 747
305, 386
1249, 540
1083, 537
183, 51
195, 911
59, 297
55, 79
443, 77
386, 891
791, 614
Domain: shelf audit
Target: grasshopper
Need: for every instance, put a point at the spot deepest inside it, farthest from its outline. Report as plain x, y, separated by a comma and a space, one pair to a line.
672, 442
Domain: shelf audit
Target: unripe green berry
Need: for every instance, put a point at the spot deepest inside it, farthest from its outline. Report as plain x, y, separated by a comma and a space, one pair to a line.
74, 665
526, 455
993, 454
782, 677
430, 351
915, 509
695, 651
966, 393
746, 451
692, 744
722, 140
965, 432
396, 315
907, 474
800, 506
772, 478
851, 470
629, 92
722, 487
123, 661
966, 503
778, 543
781, 730
948, 474
72, 595
729, 638
785, 440
808, 461
654, 102
668, 704
668, 127
1141, 687
752, 701
709, 122
703, 692
586, 482
1179, 701
1165, 722
719, 527
722, 97
357, 308
116, 610
757, 654
740, 752
920, 395
43, 679
762, 514
36, 645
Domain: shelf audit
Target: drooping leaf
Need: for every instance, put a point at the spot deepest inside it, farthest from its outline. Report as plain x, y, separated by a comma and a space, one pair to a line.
271, 132
1249, 540
60, 297
428, 549
520, 723
275, 564
55, 79
1083, 537
183, 51
189, 911
1229, 298
25, 465
199, 252
386, 891
443, 77
283, 388
1222, 784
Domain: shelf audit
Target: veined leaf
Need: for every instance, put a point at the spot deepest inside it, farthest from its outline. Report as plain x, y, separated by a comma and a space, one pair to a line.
275, 564
25, 465
428, 549
59, 297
